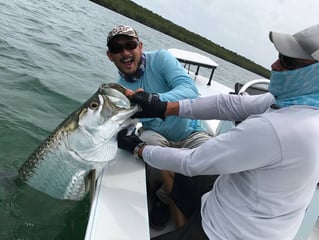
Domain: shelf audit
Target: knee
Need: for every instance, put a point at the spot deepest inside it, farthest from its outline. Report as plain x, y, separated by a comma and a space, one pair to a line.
153, 138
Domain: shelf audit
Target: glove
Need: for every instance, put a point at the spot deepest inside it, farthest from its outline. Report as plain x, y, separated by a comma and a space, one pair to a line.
151, 105
129, 142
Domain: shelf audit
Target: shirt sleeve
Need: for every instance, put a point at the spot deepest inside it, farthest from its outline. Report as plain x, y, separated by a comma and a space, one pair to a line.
243, 148
181, 84
225, 106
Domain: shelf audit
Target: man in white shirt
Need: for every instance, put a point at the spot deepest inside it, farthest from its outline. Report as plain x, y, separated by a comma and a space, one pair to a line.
268, 164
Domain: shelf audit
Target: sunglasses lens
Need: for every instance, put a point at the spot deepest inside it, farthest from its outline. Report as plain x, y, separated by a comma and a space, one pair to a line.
286, 62
130, 45
293, 63
117, 48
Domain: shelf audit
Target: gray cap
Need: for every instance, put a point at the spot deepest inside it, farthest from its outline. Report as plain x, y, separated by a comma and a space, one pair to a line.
303, 44
121, 30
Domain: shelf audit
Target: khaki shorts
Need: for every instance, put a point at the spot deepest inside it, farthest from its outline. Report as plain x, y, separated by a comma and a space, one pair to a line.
153, 138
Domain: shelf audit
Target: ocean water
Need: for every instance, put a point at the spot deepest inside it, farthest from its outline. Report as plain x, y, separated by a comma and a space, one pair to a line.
52, 58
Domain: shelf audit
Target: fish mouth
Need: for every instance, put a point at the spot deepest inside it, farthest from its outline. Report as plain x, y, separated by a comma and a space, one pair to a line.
117, 91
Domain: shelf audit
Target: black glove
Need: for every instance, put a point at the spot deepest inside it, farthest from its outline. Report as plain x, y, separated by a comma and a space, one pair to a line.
151, 105
129, 142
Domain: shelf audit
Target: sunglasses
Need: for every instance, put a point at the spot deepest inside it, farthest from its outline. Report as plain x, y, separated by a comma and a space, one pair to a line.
293, 63
118, 48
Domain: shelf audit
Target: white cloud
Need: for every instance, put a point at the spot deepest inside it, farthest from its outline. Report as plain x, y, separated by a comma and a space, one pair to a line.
240, 26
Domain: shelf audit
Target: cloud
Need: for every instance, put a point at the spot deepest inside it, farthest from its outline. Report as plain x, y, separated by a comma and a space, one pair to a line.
240, 26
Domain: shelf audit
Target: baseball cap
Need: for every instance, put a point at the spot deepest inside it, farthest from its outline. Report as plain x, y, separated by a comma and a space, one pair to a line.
303, 44
121, 30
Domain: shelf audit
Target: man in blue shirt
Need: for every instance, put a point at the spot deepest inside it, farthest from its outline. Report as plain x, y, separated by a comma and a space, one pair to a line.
160, 73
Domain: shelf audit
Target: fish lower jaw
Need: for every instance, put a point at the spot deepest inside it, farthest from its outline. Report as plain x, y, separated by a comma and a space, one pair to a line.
124, 116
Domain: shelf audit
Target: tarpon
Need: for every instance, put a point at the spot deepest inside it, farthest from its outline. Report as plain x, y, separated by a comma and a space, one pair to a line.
62, 164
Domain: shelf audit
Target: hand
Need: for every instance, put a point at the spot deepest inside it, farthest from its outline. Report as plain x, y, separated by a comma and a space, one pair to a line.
151, 105
129, 142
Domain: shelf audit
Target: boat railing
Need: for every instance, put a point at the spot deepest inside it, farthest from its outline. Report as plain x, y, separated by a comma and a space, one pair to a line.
196, 59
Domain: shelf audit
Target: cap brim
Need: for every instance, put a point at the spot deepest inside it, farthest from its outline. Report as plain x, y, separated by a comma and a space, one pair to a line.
119, 35
287, 45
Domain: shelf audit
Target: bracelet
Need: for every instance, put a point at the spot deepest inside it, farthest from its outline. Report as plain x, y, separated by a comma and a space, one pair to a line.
137, 149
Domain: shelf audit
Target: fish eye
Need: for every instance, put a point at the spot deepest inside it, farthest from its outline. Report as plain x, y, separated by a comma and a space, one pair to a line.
94, 105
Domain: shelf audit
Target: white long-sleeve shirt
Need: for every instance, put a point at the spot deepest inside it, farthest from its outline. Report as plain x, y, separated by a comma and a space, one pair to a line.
268, 166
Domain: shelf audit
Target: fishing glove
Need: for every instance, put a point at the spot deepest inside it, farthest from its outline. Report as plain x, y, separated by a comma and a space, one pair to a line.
151, 105
130, 143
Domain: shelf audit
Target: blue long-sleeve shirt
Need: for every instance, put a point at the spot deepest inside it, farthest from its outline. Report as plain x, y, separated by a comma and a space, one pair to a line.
167, 77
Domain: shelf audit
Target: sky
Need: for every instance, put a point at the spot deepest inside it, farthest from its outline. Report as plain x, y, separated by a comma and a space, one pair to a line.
241, 26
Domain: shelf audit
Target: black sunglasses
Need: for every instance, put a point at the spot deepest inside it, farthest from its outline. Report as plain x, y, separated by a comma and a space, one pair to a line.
128, 45
290, 63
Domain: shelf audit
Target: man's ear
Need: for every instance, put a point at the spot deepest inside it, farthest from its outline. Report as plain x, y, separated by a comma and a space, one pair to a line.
140, 45
109, 55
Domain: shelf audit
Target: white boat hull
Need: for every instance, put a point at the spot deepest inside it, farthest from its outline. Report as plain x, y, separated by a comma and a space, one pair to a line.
119, 208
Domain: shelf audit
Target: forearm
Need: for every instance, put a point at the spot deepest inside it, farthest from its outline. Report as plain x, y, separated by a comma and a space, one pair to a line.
216, 157
224, 107
172, 108
199, 110
195, 109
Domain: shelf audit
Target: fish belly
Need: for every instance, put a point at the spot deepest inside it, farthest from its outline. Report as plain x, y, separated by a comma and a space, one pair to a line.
61, 174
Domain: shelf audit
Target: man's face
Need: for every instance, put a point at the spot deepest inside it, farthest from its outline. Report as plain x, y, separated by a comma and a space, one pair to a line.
126, 53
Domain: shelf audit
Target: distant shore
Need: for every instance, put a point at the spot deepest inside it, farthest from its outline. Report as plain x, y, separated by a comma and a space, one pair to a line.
153, 20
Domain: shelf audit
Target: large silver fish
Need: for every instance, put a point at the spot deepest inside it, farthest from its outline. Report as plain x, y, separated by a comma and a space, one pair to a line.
85, 141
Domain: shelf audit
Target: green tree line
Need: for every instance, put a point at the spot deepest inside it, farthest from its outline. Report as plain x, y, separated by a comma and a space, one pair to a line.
155, 21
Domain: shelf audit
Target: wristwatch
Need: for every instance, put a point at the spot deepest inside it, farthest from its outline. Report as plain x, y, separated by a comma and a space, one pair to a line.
137, 149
